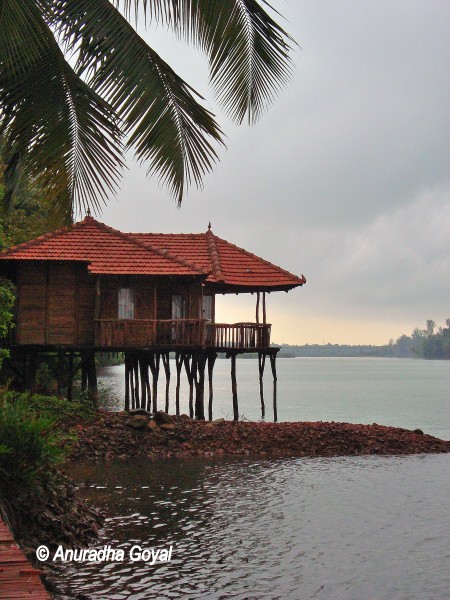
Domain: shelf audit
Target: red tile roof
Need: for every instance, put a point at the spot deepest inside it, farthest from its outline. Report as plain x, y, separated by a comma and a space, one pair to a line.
226, 263
108, 251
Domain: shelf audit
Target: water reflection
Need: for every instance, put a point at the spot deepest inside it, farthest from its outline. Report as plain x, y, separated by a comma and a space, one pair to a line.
302, 528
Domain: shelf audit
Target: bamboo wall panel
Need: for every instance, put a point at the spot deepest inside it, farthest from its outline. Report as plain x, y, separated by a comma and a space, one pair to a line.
61, 304
31, 304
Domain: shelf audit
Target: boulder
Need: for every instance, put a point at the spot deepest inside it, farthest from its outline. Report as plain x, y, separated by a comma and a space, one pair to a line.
167, 426
140, 411
419, 431
138, 422
152, 425
162, 417
186, 418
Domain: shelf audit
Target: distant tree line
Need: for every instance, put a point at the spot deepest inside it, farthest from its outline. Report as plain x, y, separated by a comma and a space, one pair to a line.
423, 343
429, 343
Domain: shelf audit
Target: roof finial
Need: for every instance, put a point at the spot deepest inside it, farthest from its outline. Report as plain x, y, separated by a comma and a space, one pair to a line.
209, 226
88, 212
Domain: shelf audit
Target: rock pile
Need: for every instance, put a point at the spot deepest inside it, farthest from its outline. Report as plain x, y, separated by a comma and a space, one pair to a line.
123, 435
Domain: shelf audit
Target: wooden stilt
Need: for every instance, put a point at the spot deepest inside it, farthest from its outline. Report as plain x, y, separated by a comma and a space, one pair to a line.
261, 365
92, 379
136, 381
200, 388
59, 373
234, 388
178, 366
211, 361
127, 382
154, 367
166, 365
190, 367
142, 372
131, 372
70, 377
147, 382
84, 377
273, 358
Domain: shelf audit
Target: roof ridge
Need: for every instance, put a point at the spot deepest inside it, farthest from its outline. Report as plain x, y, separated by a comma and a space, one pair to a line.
214, 255
301, 279
174, 257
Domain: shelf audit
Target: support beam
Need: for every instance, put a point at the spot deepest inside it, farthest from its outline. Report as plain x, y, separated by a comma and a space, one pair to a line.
59, 373
166, 365
264, 308
127, 382
154, 367
92, 378
200, 387
273, 358
257, 307
261, 365
70, 377
234, 388
211, 361
178, 365
190, 365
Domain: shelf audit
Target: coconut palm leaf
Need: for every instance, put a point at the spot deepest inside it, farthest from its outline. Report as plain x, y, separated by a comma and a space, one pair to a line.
248, 51
164, 123
62, 126
55, 128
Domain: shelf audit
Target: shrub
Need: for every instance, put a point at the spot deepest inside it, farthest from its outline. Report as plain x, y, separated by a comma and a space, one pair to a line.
28, 445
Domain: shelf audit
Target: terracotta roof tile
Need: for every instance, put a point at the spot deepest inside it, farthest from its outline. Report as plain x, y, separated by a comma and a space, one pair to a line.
112, 252
107, 251
227, 264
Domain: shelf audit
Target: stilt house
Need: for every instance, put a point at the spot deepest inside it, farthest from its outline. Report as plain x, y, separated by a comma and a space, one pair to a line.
89, 288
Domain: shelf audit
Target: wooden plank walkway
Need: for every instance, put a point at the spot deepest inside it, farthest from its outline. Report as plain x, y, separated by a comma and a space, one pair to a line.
18, 579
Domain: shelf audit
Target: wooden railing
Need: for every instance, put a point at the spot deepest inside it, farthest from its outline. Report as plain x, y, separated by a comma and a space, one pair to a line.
238, 335
146, 333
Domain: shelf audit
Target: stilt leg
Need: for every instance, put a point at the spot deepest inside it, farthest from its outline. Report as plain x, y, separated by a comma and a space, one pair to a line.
273, 358
166, 365
127, 383
234, 388
211, 362
261, 365
200, 388
70, 377
178, 365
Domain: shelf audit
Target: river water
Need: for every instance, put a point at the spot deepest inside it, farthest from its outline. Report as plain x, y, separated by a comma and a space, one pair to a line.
350, 528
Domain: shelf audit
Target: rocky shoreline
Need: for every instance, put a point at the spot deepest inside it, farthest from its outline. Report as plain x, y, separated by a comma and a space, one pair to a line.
119, 436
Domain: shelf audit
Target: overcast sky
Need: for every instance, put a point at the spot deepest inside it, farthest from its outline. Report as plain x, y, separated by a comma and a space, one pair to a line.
345, 179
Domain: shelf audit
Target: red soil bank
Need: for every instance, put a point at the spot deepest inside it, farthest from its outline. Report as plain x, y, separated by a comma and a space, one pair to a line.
122, 436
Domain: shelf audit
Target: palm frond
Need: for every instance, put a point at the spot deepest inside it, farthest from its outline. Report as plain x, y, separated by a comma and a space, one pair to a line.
57, 130
166, 126
248, 51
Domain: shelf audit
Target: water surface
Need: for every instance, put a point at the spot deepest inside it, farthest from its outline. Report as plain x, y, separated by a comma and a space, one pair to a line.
337, 528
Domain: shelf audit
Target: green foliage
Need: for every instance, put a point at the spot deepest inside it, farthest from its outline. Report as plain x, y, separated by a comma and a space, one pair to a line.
63, 412
7, 299
29, 445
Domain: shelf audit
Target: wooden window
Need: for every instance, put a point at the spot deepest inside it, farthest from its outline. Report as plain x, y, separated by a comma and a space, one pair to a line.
207, 308
178, 307
126, 303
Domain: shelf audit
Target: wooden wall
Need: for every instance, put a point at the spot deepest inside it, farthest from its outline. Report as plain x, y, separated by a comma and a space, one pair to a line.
55, 304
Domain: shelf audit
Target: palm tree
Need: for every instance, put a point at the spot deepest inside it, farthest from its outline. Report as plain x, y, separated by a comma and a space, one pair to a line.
79, 86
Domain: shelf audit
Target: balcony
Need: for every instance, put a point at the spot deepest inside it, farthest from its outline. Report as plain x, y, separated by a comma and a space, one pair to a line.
180, 333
